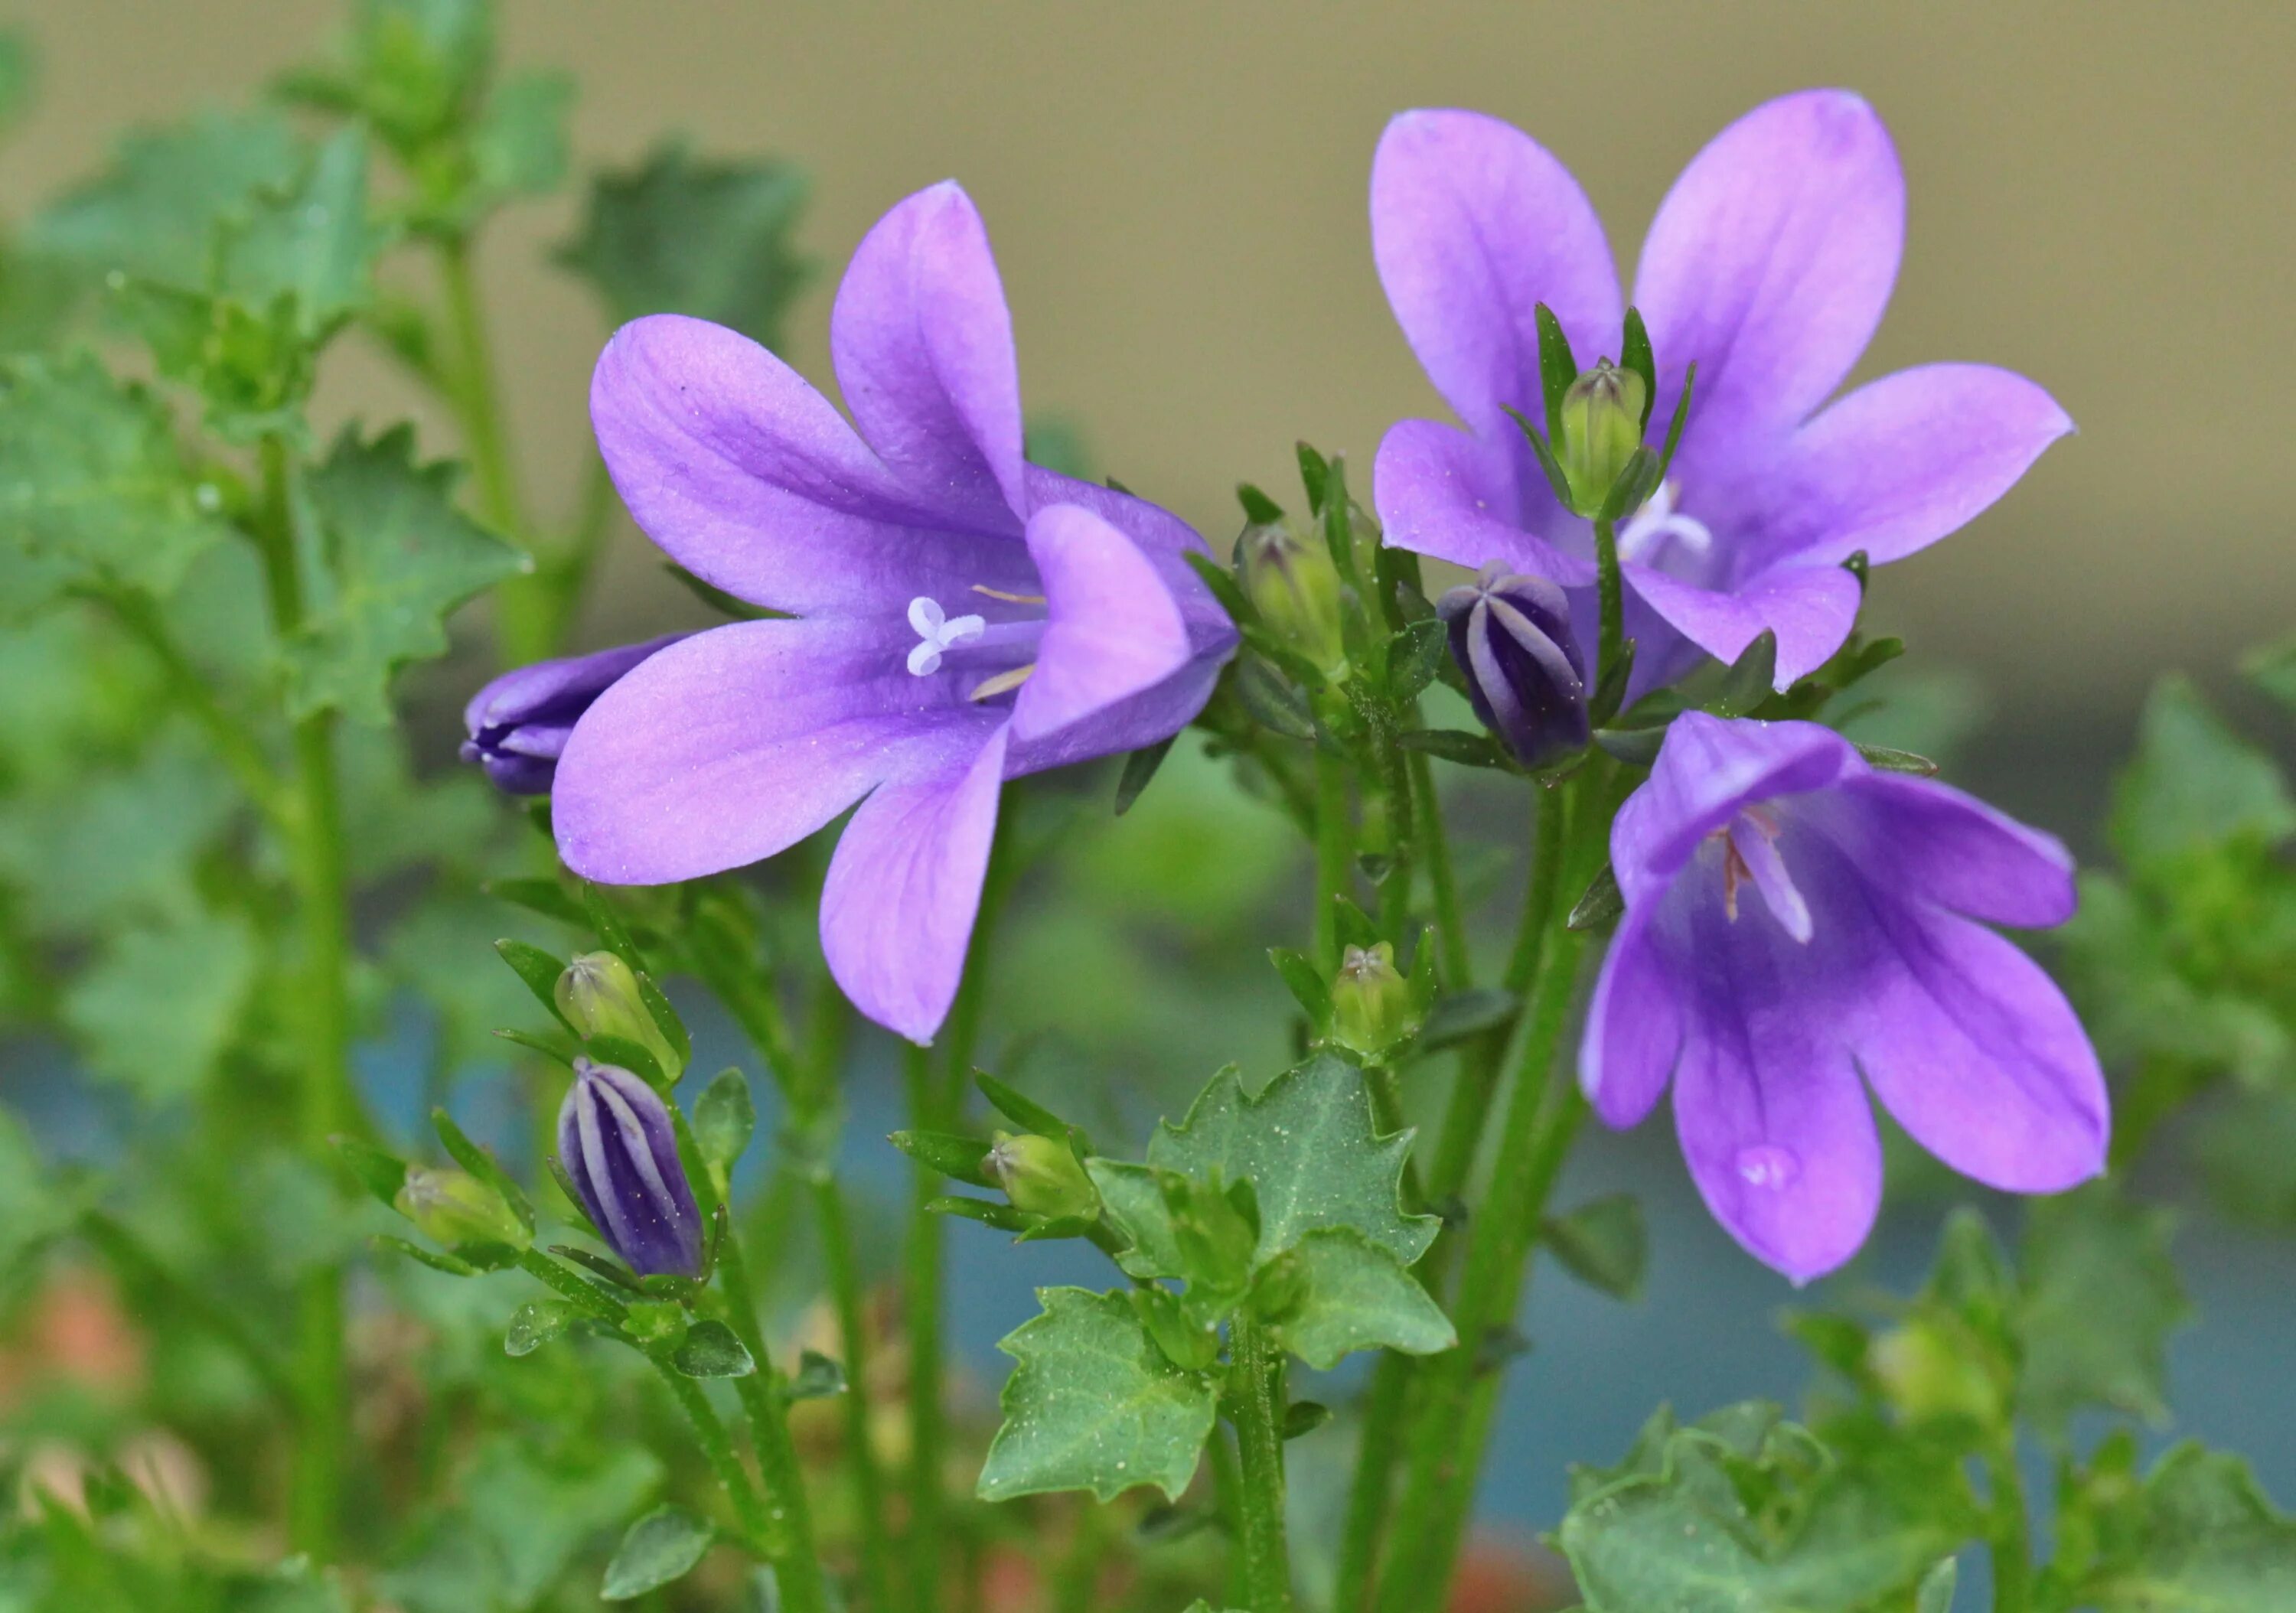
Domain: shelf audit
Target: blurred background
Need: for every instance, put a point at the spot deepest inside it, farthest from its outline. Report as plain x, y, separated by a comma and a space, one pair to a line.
2101, 198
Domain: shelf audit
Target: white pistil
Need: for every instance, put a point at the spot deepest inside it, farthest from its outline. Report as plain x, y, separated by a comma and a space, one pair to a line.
1656, 522
1750, 856
937, 632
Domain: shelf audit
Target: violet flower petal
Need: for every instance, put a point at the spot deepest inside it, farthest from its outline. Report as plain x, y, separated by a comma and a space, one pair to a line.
1442, 493
903, 890
742, 741
1905, 460
1474, 223
1112, 628
1634, 1027
619, 1147
748, 478
1954, 850
1769, 263
1707, 770
923, 342
1811, 607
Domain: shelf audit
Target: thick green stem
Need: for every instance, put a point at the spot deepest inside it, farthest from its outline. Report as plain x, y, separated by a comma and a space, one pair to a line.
325, 1105
922, 1307
1334, 848
1255, 1396
1465, 1121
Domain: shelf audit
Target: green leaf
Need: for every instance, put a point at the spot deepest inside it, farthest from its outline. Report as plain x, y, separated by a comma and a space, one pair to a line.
951, 1153
1935, 1594
2100, 1299
2272, 668
1093, 1404
660, 1547
1602, 901
1133, 1202
536, 1324
1305, 982
482, 1164
534, 1508
1457, 745
2194, 781
2202, 1539
1748, 682
724, 1118
1140, 766
310, 242
684, 234
711, 1350
1358, 1296
1308, 1145
402, 557
1745, 1511
519, 146
380, 1174
539, 970
160, 1005
93, 491
1465, 1014
1603, 1244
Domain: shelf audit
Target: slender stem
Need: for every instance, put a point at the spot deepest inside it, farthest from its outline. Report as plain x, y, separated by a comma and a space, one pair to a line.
325, 1105
861, 1448
1255, 1393
587, 1297
2013, 1561
1227, 1495
136, 1263
1076, 1578
1450, 924
1394, 788
718, 1450
234, 740
1465, 1121
1334, 844
1610, 595
1459, 1402
921, 1306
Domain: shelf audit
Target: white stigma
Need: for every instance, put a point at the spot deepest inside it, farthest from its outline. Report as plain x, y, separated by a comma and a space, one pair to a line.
1657, 521
937, 631
1749, 856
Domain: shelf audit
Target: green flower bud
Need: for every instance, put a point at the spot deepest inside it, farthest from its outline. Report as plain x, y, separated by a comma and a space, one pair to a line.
1293, 583
1931, 1375
453, 1207
1602, 427
1216, 1239
599, 995
1040, 1175
1372, 1007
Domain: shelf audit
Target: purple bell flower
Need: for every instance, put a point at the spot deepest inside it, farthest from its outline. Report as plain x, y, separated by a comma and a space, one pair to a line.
1768, 264
519, 723
1526, 679
1800, 928
619, 1147
962, 617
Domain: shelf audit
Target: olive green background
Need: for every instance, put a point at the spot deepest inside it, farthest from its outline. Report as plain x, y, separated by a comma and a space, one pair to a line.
2101, 196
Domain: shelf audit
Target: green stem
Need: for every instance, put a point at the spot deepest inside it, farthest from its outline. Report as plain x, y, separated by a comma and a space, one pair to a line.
921, 1298
2013, 1560
325, 1105
1459, 1400
1334, 844
1466, 1121
1255, 1393
1394, 788
1609, 596
586, 1296
1450, 924
718, 1450
1228, 1496
861, 1449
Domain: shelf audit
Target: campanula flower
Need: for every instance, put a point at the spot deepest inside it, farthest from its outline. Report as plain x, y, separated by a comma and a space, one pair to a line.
519, 723
1768, 265
619, 1147
962, 617
1800, 928
1512, 637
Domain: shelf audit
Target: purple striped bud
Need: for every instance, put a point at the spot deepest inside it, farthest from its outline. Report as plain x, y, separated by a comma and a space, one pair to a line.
619, 1148
519, 723
1511, 634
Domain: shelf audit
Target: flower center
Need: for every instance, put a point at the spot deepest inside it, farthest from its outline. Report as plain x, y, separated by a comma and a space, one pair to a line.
1749, 856
1003, 648
1659, 527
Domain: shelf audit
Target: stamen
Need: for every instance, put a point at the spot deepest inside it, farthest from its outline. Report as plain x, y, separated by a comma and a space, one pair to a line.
1010, 598
1656, 522
989, 689
937, 631
1753, 855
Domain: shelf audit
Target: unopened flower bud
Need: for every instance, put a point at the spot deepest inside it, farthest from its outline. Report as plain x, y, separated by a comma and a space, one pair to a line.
599, 995
452, 1206
519, 723
1041, 1176
1601, 426
1934, 1378
1373, 1008
1511, 635
618, 1146
1293, 583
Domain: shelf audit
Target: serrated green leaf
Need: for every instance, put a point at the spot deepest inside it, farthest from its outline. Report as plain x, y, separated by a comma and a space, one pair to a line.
2100, 1297
402, 557
1603, 1244
1094, 1405
2205, 1540
519, 146
94, 492
1744, 1512
684, 234
158, 1005
661, 1546
2193, 783
536, 1324
1358, 1296
1133, 1203
309, 242
724, 1118
711, 1350
1308, 1145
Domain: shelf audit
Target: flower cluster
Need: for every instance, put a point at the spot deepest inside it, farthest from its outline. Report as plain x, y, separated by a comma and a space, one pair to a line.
1797, 927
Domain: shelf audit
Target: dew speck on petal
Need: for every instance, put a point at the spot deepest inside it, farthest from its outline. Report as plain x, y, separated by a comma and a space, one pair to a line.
1767, 1165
